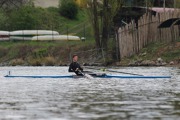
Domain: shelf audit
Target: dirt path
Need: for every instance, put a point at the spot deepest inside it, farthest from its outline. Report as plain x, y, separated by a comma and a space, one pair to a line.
46, 3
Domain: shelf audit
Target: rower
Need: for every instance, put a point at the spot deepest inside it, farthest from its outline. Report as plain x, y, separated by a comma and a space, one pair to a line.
75, 66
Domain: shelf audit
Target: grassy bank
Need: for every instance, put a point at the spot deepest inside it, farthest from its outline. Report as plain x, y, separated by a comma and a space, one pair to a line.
80, 26
169, 53
40, 53
37, 53
48, 53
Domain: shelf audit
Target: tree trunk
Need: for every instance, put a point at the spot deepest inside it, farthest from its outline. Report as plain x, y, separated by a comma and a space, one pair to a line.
105, 29
96, 24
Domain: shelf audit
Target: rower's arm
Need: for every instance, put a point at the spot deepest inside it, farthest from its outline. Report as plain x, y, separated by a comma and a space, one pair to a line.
80, 68
70, 68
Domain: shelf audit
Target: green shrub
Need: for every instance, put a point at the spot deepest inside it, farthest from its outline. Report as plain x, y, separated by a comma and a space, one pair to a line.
23, 18
28, 17
40, 53
3, 19
68, 9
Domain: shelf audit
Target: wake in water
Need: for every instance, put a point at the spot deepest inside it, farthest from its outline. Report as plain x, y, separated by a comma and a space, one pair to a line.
88, 76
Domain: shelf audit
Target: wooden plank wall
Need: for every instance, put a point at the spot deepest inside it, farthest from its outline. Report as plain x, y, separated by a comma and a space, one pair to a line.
132, 38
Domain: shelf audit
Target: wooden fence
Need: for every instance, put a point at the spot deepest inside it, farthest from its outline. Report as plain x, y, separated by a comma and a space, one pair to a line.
133, 38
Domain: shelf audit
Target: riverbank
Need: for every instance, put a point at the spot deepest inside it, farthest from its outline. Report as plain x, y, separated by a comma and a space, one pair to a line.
58, 53
155, 54
40, 53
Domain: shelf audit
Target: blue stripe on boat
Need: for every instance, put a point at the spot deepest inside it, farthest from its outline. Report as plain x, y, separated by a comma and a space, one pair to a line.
149, 77
13, 76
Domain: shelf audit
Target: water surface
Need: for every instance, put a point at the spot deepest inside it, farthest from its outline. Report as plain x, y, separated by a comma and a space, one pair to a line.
90, 99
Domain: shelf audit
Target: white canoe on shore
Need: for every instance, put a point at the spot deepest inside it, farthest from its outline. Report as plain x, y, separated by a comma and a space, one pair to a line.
4, 35
56, 38
33, 32
28, 34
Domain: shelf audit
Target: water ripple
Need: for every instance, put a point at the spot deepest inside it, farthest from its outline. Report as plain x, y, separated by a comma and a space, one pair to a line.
90, 99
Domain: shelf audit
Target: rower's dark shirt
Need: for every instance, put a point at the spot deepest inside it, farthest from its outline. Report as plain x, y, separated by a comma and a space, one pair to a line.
73, 66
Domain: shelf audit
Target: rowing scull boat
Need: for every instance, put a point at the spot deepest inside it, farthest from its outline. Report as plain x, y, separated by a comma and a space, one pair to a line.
98, 76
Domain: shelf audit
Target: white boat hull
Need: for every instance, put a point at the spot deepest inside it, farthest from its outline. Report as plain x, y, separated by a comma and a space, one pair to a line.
56, 38
29, 34
33, 32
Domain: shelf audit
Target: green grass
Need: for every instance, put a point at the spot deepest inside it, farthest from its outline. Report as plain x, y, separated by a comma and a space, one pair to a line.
40, 50
154, 51
168, 56
59, 50
73, 27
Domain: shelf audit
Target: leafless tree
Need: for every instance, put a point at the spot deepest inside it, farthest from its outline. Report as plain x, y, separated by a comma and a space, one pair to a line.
103, 10
93, 10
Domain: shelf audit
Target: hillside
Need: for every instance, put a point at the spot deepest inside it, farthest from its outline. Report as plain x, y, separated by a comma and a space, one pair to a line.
46, 52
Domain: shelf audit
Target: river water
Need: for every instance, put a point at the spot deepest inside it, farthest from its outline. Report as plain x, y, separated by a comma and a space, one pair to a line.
89, 99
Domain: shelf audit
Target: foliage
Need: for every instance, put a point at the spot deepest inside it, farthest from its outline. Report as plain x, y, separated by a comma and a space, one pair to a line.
178, 3
23, 18
10, 5
68, 8
3, 19
28, 17
81, 3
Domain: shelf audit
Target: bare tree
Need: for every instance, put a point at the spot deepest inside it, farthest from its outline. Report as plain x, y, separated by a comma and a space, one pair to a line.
93, 10
108, 10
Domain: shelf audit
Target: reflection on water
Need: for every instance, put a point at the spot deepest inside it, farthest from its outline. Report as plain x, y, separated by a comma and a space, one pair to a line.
90, 99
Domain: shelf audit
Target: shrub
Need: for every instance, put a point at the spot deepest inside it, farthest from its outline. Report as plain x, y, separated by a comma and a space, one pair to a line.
15, 62
23, 18
3, 51
49, 61
68, 9
28, 17
35, 62
3, 19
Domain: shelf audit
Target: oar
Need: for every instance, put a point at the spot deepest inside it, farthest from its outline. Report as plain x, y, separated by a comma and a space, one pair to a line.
86, 75
124, 72
114, 71
81, 72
